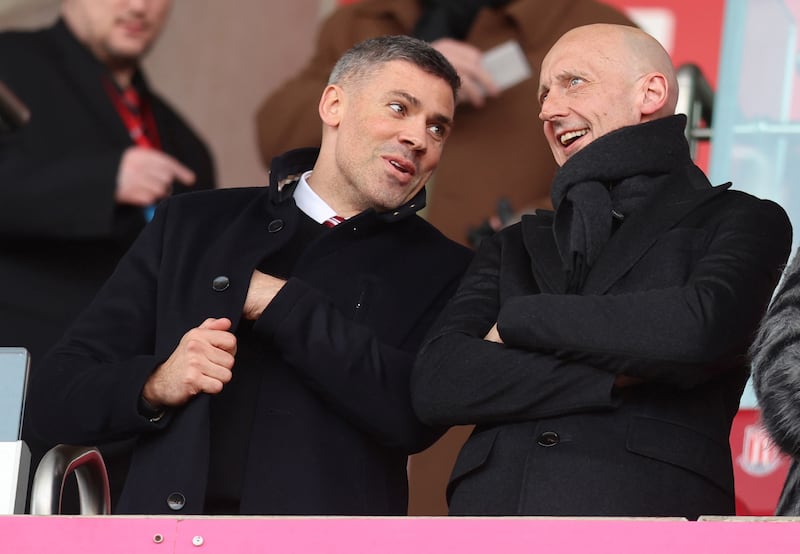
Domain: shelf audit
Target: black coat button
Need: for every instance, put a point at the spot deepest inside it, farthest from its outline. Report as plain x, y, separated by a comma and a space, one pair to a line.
548, 438
220, 283
275, 225
176, 501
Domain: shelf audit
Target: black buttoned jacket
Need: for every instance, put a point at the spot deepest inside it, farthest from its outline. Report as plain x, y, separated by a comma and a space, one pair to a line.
673, 301
333, 423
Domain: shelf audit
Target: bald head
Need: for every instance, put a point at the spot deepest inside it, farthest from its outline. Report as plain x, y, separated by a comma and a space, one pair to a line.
632, 49
599, 78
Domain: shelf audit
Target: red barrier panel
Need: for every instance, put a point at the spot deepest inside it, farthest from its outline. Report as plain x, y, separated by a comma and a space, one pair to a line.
759, 468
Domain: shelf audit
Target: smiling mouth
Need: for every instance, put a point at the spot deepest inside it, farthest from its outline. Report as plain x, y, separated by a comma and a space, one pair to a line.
569, 137
402, 166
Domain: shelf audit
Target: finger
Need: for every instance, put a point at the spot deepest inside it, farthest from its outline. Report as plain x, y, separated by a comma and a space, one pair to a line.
206, 339
209, 385
220, 324
472, 93
216, 332
200, 361
180, 172
162, 170
160, 173
223, 341
155, 187
149, 184
468, 62
203, 340
220, 372
484, 80
458, 53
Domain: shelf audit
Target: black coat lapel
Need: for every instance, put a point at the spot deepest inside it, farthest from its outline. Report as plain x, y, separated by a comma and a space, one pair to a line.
546, 264
226, 266
669, 206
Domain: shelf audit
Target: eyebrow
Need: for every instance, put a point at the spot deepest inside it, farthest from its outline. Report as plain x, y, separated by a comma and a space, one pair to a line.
542, 90
560, 77
414, 101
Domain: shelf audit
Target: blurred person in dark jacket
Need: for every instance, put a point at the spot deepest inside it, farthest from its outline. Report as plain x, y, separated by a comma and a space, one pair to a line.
77, 182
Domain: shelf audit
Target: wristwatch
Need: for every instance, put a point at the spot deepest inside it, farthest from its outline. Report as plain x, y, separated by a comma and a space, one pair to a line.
149, 411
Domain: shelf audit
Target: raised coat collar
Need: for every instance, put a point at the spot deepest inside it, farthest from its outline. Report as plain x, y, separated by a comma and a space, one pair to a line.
286, 169
686, 190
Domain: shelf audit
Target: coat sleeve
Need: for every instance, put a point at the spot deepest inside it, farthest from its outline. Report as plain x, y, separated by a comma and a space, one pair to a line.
87, 389
51, 191
776, 364
459, 378
683, 335
361, 376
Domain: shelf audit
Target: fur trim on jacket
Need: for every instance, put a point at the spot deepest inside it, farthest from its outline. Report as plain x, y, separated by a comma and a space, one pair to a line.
776, 377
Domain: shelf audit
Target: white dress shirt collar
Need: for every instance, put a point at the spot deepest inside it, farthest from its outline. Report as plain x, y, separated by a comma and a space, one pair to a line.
309, 201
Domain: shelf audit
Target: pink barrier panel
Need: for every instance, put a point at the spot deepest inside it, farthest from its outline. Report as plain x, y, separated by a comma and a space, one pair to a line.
165, 535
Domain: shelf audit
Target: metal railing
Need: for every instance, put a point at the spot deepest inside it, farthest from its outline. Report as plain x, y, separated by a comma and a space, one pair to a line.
90, 473
696, 100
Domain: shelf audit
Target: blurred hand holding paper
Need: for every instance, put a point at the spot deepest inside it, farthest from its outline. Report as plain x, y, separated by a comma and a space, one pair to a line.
507, 64
13, 113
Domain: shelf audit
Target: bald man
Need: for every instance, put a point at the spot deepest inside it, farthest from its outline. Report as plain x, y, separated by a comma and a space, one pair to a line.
600, 348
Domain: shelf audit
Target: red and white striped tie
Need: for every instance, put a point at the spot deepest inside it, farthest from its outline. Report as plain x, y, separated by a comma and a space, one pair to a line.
333, 221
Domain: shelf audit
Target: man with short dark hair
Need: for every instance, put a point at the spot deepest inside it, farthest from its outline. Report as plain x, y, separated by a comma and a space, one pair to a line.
258, 342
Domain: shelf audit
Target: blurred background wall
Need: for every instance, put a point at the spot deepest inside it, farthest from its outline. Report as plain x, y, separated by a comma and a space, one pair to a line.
216, 60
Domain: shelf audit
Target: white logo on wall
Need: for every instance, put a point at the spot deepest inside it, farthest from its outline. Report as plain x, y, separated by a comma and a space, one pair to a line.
759, 456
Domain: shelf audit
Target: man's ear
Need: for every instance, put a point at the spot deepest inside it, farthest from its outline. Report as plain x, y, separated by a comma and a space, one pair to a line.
331, 105
655, 93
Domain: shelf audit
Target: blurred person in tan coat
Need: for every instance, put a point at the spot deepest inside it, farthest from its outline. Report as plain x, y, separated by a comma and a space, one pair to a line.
495, 131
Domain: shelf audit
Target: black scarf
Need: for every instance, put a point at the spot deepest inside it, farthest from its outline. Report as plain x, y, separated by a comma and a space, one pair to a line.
608, 179
450, 18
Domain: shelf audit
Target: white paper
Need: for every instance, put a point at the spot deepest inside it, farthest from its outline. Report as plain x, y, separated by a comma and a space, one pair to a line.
507, 64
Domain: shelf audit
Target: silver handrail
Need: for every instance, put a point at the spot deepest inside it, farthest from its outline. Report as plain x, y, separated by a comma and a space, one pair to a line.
696, 100
90, 472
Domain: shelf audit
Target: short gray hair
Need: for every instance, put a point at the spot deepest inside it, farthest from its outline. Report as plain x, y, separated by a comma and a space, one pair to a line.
360, 60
